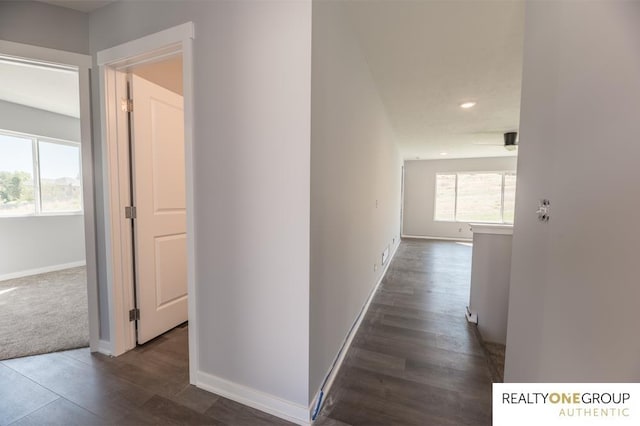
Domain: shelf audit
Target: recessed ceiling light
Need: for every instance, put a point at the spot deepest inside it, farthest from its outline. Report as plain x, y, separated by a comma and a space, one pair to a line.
467, 105
443, 153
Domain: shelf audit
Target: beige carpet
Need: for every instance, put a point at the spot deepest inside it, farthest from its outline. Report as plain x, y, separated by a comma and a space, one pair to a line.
43, 313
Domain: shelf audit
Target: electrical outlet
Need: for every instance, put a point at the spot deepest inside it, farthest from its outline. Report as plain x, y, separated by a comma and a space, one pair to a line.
385, 255
472, 317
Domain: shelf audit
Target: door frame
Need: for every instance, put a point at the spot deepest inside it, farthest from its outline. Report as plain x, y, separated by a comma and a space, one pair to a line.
83, 64
112, 64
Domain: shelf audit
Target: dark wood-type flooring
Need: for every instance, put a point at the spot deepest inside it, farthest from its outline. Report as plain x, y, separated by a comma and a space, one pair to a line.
146, 386
414, 361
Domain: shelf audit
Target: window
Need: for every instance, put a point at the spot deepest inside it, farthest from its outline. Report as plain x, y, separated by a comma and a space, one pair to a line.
16, 176
445, 197
39, 176
475, 197
509, 200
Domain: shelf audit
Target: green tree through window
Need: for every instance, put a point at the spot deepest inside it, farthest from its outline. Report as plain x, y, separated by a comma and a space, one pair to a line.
39, 176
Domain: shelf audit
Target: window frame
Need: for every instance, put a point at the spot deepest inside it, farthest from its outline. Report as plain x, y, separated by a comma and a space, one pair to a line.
35, 164
502, 174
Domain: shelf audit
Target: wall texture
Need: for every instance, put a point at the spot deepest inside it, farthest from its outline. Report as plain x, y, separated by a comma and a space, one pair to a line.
252, 170
37, 242
41, 24
419, 194
355, 186
574, 280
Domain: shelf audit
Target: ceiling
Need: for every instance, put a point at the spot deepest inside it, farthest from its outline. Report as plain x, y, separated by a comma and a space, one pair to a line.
428, 57
80, 5
37, 86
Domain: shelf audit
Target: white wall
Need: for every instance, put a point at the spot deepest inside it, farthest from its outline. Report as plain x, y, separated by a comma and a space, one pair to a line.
251, 149
355, 186
419, 194
574, 280
36, 243
489, 290
41, 24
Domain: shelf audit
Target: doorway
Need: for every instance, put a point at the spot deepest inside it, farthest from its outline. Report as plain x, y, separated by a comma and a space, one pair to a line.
157, 170
149, 230
48, 267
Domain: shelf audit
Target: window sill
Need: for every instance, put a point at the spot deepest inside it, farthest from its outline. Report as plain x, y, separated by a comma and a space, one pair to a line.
466, 222
22, 216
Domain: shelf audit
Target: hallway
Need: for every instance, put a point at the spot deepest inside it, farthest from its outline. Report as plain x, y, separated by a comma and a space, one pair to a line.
414, 361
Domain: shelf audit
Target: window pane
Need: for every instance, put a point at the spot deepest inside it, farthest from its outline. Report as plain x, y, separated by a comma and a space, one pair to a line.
445, 197
509, 196
16, 176
479, 197
60, 180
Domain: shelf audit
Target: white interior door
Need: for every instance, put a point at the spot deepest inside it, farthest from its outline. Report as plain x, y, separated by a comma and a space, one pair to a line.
158, 174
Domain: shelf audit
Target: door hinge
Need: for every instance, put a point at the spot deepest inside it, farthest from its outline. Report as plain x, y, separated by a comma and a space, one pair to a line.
126, 105
130, 212
134, 314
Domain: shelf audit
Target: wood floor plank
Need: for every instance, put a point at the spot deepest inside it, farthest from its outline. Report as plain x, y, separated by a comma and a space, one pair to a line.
61, 412
20, 396
234, 413
85, 385
194, 398
326, 421
176, 414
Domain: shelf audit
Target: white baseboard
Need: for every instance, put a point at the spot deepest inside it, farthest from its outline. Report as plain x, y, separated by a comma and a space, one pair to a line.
425, 237
472, 317
42, 270
104, 347
342, 353
259, 400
